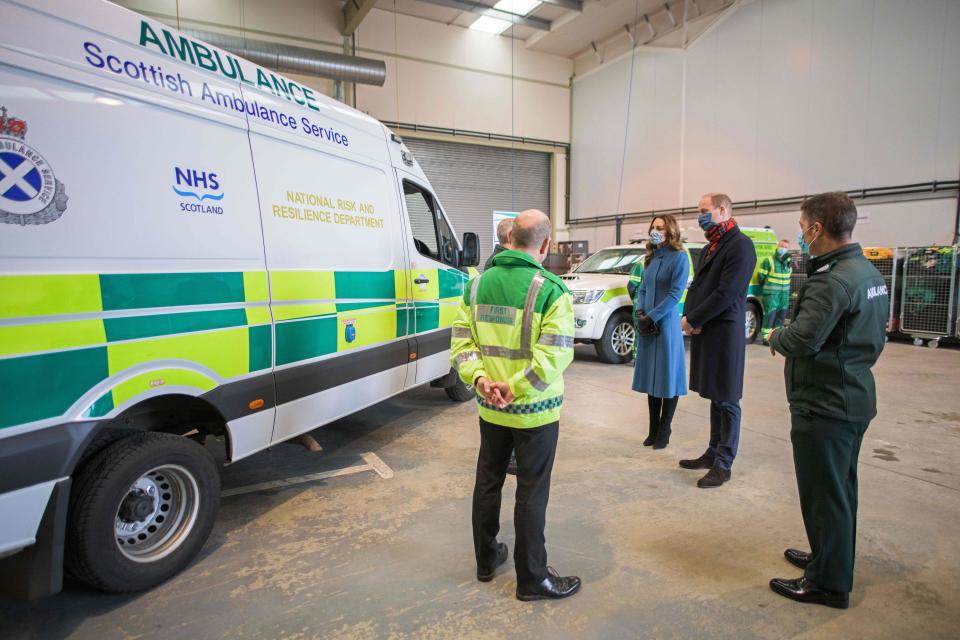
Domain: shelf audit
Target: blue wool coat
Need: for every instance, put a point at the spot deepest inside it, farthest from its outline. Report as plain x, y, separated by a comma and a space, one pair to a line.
661, 369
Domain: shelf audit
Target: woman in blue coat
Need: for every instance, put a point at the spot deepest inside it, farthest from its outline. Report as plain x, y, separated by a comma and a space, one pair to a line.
660, 370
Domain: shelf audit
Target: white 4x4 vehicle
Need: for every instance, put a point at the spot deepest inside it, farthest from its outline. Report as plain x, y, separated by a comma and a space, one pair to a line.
601, 305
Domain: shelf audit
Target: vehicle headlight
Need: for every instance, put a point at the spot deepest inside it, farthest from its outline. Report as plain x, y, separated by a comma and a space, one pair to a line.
590, 296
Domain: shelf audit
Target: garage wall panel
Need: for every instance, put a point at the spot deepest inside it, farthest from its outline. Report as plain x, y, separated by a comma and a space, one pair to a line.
472, 181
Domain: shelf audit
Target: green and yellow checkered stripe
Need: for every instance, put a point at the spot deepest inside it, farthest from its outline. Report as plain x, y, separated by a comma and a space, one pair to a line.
62, 334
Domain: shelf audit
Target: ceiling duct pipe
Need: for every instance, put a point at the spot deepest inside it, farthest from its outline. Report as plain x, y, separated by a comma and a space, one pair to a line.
309, 62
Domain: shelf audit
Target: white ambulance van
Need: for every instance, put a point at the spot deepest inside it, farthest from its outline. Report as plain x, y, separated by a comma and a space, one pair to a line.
188, 241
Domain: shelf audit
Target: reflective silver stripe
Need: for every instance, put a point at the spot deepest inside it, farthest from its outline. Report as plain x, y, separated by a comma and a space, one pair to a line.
526, 331
535, 380
466, 356
503, 352
554, 340
462, 332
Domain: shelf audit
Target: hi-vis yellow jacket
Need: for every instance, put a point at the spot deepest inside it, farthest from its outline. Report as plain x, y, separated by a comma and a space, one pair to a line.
515, 325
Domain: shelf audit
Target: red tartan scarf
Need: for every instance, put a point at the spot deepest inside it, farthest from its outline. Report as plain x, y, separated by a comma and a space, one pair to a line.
714, 234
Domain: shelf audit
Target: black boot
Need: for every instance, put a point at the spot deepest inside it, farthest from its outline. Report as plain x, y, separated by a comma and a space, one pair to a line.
666, 420
654, 405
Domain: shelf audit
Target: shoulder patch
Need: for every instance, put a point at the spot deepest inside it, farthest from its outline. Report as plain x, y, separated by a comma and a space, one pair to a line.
825, 268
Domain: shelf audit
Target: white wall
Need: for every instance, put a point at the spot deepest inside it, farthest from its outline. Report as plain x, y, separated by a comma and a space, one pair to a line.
786, 97
437, 74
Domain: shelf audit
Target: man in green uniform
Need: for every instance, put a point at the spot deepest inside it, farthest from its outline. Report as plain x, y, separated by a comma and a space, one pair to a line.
774, 277
503, 241
837, 334
512, 340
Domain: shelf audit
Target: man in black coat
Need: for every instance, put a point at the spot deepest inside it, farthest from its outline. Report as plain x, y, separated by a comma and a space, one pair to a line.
715, 315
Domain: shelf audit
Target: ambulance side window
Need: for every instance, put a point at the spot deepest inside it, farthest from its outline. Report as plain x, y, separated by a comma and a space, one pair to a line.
432, 235
422, 211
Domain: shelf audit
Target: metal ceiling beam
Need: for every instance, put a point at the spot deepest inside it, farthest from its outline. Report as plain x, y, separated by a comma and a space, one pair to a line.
354, 11
485, 10
573, 5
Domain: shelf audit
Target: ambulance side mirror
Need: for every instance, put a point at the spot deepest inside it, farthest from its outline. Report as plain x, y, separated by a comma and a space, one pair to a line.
470, 256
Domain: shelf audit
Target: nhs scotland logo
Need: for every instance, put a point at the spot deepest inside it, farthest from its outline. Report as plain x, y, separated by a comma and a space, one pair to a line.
196, 188
29, 192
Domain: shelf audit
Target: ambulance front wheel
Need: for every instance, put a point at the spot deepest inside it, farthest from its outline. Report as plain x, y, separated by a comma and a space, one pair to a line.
140, 511
460, 392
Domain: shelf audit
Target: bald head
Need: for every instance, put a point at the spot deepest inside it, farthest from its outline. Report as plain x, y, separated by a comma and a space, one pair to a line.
503, 232
530, 229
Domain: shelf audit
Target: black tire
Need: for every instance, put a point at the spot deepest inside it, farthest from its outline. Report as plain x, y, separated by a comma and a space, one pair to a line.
460, 392
614, 347
185, 480
753, 321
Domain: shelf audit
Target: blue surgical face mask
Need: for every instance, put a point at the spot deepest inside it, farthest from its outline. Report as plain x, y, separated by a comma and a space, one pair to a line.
781, 251
705, 220
656, 237
804, 245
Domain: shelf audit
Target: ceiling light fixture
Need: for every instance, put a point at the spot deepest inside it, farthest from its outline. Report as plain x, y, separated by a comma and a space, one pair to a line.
487, 24
517, 7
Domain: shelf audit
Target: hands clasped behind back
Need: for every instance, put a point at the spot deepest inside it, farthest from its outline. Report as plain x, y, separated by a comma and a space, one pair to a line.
496, 393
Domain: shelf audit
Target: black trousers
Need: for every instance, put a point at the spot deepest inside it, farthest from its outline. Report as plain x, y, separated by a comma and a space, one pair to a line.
535, 450
825, 453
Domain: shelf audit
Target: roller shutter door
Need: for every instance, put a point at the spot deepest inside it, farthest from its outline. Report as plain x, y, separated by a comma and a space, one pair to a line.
473, 181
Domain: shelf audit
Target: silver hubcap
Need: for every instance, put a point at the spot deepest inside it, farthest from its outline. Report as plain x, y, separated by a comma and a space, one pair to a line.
622, 339
157, 514
751, 323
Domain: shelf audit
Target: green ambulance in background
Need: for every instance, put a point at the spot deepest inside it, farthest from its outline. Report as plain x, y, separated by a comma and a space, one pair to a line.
602, 304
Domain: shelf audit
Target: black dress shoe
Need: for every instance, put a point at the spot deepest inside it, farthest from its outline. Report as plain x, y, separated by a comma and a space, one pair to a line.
553, 587
802, 590
703, 462
502, 554
797, 558
714, 478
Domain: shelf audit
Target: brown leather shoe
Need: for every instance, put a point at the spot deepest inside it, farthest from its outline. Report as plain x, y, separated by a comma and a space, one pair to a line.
703, 462
714, 478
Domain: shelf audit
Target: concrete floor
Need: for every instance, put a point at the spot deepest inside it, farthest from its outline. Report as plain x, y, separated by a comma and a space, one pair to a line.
364, 557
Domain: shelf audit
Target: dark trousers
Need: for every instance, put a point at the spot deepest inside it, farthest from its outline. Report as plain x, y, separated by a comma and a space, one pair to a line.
724, 432
535, 449
825, 456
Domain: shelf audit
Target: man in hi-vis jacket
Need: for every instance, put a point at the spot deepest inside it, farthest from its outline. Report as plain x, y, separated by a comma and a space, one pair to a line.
512, 340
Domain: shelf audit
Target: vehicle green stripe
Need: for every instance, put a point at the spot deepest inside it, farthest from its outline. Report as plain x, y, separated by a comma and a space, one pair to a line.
428, 317
102, 406
46, 385
451, 283
402, 315
149, 326
261, 343
302, 339
365, 284
355, 306
145, 290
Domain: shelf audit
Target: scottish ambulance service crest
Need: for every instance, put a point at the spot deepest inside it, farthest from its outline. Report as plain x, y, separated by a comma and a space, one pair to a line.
29, 192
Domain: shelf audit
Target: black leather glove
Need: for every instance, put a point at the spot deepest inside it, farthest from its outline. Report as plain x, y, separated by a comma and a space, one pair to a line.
644, 323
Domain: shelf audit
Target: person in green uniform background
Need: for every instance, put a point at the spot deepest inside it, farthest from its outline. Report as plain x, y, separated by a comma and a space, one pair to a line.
836, 335
774, 277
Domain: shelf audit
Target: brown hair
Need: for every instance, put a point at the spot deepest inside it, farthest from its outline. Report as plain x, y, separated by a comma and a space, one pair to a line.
835, 212
672, 236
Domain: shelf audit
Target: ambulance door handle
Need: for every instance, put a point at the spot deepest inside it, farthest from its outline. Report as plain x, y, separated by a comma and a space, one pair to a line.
421, 280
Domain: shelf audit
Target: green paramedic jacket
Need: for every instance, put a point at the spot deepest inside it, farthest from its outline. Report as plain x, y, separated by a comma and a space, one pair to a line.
515, 325
774, 274
837, 334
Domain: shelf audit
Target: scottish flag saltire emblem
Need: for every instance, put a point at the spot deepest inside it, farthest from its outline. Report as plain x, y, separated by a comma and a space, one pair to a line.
29, 192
